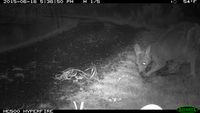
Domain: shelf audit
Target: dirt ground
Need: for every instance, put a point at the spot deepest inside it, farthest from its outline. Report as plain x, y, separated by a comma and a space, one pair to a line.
123, 88
28, 77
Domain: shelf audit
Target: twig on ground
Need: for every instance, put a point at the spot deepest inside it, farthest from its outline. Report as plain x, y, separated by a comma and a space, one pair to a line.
81, 106
70, 73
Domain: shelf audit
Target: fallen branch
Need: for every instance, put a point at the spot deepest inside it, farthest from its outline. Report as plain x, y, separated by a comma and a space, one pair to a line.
70, 73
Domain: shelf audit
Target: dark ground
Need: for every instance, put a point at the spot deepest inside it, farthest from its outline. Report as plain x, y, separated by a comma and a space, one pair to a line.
40, 61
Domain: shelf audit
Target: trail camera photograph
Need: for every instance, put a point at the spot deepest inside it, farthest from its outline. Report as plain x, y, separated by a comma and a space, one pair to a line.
99, 56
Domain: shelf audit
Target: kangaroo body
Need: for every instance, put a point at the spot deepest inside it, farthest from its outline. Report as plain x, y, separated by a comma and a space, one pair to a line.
177, 44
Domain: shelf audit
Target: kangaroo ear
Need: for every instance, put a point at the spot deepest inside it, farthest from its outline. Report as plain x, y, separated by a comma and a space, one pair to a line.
137, 49
148, 50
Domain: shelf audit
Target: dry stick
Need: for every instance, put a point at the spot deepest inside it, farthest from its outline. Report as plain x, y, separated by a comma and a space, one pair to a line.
75, 105
81, 106
67, 73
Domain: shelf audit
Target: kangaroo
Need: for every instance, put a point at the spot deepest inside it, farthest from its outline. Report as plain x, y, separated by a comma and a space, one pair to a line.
177, 44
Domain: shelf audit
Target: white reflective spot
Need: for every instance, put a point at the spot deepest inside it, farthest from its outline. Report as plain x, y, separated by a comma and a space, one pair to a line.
151, 107
144, 63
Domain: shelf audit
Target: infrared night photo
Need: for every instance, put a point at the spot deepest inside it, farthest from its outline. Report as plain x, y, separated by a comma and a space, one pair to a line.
100, 56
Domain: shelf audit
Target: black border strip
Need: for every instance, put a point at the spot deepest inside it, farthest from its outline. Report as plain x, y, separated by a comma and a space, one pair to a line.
89, 1
91, 111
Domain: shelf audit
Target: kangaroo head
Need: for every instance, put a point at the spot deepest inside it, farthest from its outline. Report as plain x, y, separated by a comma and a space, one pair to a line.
143, 57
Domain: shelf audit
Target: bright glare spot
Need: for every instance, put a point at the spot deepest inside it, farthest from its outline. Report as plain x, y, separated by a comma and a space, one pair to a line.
151, 107
144, 63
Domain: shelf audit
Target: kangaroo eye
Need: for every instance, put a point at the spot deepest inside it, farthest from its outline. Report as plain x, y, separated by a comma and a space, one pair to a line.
143, 63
